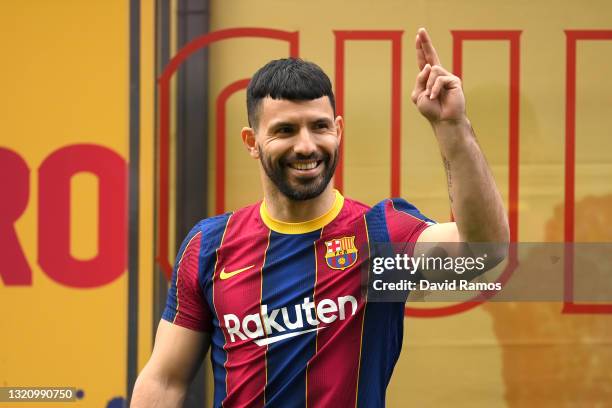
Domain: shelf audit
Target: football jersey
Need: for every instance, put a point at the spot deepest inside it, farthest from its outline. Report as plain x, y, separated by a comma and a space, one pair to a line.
283, 302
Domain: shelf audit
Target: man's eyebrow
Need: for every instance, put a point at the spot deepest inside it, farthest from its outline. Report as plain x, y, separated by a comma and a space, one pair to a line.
283, 123
277, 125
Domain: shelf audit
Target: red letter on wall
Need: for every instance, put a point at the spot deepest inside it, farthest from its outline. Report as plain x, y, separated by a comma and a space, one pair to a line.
54, 216
15, 185
396, 98
572, 38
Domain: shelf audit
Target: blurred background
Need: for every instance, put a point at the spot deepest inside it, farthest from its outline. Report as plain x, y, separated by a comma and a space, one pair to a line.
120, 129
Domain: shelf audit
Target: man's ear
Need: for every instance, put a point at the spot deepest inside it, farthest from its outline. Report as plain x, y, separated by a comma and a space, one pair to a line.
248, 138
339, 122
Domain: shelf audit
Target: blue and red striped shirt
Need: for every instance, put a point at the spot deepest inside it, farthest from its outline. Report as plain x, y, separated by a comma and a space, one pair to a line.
290, 324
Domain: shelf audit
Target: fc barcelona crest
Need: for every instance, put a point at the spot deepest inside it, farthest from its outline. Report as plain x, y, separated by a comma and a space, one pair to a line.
341, 253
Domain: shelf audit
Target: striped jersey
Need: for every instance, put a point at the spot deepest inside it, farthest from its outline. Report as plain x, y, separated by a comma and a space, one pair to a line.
284, 304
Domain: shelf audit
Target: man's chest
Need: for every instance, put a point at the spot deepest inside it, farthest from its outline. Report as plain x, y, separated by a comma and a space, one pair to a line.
274, 285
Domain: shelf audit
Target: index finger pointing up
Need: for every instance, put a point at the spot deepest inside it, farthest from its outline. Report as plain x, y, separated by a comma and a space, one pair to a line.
426, 53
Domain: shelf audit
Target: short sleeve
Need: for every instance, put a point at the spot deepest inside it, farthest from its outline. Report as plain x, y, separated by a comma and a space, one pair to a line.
404, 221
185, 305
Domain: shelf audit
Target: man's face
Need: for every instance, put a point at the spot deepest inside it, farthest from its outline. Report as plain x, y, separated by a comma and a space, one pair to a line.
297, 145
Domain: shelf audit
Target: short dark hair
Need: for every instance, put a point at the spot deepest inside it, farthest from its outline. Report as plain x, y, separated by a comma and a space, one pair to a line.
287, 78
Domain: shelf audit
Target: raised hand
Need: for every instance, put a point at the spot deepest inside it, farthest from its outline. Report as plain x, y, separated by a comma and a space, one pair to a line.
437, 93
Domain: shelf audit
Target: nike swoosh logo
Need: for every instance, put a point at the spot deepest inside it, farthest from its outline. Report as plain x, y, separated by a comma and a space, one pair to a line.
227, 275
270, 340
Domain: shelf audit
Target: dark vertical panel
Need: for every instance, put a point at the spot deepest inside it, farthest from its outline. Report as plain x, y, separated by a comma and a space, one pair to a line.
192, 119
134, 136
192, 142
162, 56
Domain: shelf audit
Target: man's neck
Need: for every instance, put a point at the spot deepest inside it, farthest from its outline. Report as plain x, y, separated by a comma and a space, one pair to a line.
282, 208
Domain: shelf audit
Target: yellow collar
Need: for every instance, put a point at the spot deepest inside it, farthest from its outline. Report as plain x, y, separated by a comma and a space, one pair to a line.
302, 227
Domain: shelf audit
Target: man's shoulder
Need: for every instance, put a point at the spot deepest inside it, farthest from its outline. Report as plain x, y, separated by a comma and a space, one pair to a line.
386, 208
390, 203
357, 208
212, 225
355, 205
217, 223
395, 203
378, 212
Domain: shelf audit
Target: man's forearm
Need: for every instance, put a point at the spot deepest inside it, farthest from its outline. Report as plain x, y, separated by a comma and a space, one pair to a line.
476, 201
152, 392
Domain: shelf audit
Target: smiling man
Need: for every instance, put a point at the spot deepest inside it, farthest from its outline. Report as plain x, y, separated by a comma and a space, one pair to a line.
274, 289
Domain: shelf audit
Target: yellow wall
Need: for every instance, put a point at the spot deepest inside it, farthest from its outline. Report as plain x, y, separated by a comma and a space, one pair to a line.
65, 81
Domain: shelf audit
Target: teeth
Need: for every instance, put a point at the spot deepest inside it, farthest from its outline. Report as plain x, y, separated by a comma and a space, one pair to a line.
304, 166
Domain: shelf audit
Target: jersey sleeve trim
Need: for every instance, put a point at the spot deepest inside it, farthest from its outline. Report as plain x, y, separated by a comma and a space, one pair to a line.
188, 250
185, 305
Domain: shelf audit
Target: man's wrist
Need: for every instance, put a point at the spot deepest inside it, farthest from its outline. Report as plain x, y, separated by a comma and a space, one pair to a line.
454, 136
451, 125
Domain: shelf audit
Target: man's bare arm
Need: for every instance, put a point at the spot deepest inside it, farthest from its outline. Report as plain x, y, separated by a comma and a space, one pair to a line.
175, 359
476, 202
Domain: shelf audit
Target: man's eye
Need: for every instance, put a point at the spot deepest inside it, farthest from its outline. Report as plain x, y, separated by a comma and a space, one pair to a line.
321, 125
284, 129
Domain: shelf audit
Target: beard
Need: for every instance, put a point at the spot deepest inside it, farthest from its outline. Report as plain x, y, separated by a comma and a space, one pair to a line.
301, 189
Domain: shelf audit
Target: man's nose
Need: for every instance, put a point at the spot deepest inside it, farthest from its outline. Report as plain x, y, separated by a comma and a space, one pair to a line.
305, 144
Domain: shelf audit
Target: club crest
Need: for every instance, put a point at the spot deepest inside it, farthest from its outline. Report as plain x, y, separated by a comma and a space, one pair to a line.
341, 253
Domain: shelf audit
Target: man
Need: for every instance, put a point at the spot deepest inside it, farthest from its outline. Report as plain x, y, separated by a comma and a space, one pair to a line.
275, 287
